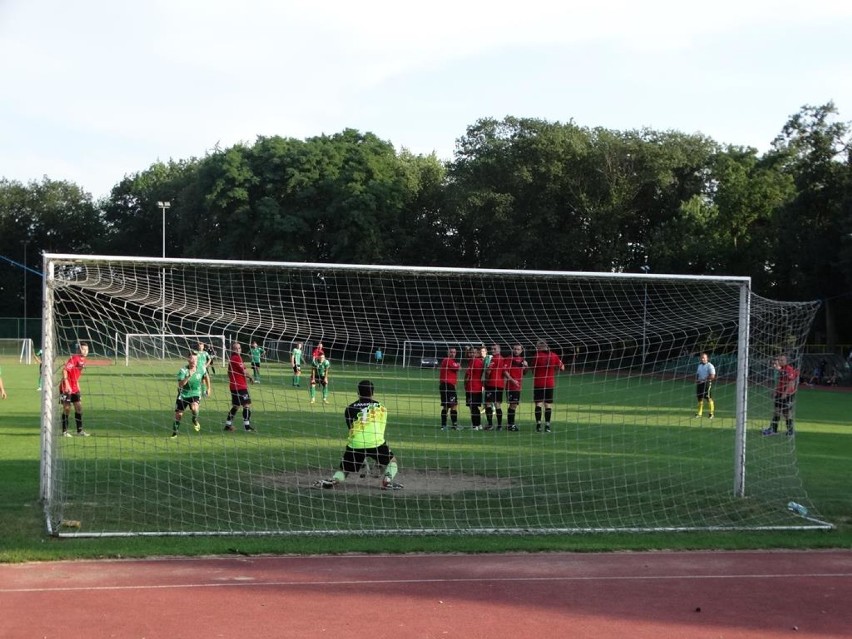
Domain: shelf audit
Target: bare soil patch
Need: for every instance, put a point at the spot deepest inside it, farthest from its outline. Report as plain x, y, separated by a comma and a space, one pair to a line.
416, 482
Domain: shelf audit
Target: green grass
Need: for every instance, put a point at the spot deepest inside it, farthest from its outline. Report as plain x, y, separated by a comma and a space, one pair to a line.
823, 448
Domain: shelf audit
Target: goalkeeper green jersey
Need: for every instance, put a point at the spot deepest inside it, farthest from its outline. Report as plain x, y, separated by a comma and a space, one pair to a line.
367, 421
256, 354
296, 354
192, 388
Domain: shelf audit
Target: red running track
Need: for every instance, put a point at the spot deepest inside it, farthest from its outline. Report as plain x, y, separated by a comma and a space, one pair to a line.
626, 595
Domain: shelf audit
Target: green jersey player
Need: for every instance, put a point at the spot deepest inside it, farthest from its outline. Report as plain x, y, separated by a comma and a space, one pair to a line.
296, 359
256, 354
320, 378
190, 380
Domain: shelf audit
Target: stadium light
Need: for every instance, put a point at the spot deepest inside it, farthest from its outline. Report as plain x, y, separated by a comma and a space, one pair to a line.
164, 205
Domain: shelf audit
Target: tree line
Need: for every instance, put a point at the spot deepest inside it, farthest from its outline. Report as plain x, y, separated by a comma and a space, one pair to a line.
518, 193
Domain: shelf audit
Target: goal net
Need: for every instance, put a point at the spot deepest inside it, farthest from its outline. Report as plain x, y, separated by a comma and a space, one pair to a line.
625, 451
142, 347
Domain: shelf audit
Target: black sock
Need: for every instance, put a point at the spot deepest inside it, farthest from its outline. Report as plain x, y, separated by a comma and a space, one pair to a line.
444, 417
499, 413
78, 418
454, 416
511, 416
538, 414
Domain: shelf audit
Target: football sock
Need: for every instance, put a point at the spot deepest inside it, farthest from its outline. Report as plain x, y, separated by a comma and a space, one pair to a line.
391, 470
78, 418
499, 413
454, 417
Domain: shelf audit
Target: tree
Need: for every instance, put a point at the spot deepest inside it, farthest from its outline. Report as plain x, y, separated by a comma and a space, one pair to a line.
813, 149
47, 216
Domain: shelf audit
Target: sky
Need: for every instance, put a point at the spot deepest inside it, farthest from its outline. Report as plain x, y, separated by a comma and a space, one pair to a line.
93, 90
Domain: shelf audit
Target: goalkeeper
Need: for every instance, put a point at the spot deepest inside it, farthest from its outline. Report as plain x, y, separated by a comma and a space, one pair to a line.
366, 420
705, 375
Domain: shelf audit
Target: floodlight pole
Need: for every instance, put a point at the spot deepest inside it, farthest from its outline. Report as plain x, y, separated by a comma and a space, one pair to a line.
645, 269
163, 206
24, 242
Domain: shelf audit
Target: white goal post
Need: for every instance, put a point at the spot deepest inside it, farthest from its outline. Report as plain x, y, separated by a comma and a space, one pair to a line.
620, 447
20, 347
143, 346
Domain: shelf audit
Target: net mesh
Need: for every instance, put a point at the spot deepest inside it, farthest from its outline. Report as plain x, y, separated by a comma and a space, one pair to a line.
626, 451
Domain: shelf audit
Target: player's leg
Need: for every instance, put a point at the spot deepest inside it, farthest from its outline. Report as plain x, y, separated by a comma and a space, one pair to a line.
475, 415
196, 425
246, 404
78, 417
498, 408
711, 405
179, 408
388, 460
235, 405
66, 412
489, 409
324, 390
548, 410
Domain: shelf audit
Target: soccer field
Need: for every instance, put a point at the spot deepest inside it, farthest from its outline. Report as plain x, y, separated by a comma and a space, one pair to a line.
823, 448
626, 453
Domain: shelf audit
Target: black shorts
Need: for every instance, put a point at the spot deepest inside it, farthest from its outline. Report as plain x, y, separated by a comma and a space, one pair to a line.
449, 397
473, 399
543, 395
240, 397
513, 396
783, 404
255, 365
181, 403
493, 395
353, 458
702, 389
322, 381
297, 369
70, 398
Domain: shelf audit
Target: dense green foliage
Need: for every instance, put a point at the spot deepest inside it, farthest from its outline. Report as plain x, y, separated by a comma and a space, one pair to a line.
518, 193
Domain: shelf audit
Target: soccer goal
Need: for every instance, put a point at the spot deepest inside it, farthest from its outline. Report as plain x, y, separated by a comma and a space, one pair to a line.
22, 348
140, 347
625, 451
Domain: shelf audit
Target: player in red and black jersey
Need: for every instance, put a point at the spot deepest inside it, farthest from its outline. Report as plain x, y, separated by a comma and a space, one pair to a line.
238, 383
473, 383
784, 396
69, 390
513, 374
544, 367
447, 378
494, 383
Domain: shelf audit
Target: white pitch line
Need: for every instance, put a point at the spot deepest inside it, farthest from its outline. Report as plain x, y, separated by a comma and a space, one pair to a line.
350, 582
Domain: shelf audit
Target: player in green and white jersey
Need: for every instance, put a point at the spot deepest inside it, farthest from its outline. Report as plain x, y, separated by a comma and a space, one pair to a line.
190, 380
320, 378
256, 354
296, 359
203, 357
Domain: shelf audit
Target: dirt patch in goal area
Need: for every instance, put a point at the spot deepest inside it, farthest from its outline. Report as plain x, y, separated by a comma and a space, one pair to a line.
416, 482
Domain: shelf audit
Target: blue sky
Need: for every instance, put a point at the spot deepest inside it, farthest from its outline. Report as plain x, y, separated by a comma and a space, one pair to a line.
94, 89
